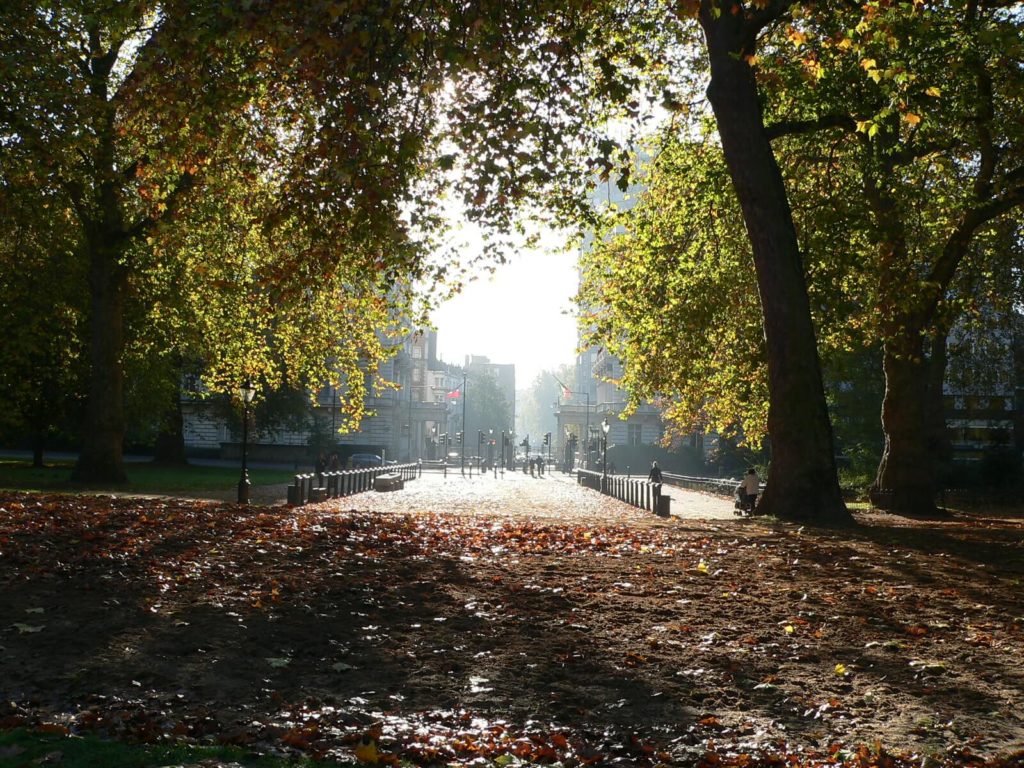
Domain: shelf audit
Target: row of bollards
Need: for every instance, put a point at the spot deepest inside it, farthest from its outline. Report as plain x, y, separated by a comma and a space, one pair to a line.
638, 493
311, 488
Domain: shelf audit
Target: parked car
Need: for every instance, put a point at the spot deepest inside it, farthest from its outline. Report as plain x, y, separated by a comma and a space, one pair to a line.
364, 460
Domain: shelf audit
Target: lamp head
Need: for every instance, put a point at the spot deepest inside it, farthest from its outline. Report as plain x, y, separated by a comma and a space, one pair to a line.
605, 426
247, 391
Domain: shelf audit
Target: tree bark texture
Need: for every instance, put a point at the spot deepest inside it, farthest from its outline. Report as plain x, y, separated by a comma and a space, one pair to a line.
101, 457
802, 481
939, 444
906, 474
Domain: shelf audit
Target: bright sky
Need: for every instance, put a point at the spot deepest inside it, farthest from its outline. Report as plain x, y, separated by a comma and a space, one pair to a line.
518, 315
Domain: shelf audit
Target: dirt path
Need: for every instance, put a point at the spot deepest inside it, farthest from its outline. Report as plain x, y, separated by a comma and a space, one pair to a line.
545, 619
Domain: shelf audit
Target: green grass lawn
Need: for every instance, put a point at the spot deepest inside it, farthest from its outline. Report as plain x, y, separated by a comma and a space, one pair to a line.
143, 477
24, 748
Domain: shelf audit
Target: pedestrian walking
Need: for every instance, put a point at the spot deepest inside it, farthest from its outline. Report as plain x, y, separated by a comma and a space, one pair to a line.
654, 478
321, 465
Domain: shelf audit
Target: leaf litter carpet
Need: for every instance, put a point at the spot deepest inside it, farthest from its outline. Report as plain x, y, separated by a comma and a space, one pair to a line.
600, 635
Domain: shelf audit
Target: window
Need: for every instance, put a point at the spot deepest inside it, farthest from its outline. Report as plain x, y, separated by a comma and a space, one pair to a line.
635, 431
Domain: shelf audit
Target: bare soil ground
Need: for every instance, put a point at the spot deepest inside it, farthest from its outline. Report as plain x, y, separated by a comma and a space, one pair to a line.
575, 630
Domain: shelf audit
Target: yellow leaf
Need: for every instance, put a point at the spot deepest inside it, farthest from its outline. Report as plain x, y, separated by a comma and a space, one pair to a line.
796, 37
366, 751
702, 567
933, 91
868, 64
840, 669
789, 629
911, 118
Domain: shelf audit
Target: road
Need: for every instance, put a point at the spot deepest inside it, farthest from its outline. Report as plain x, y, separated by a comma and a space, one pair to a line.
554, 495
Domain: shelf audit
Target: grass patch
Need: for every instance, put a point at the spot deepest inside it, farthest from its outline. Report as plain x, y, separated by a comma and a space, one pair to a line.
143, 477
21, 748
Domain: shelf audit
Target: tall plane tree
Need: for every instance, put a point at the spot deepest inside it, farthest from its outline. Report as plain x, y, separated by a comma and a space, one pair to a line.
802, 481
77, 102
922, 105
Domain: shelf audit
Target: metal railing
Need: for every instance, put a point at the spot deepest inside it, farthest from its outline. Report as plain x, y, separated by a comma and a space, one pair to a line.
635, 491
344, 482
720, 486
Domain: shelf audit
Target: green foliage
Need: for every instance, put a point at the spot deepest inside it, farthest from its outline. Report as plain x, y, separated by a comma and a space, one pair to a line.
535, 406
43, 309
145, 478
256, 188
906, 115
487, 409
668, 288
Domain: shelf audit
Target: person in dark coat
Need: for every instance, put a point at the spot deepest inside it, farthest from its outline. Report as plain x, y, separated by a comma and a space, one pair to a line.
654, 478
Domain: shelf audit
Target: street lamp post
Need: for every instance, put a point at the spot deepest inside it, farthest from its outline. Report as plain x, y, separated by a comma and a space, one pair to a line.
247, 391
462, 448
605, 427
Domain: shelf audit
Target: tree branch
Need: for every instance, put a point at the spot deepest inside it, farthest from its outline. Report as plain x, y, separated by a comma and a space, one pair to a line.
798, 127
174, 198
759, 18
959, 241
910, 154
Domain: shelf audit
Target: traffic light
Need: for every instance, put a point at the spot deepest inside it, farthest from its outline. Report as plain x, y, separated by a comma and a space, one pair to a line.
458, 438
479, 437
442, 439
547, 438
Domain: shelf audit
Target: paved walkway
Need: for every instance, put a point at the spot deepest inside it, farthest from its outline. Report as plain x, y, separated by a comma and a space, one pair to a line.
553, 496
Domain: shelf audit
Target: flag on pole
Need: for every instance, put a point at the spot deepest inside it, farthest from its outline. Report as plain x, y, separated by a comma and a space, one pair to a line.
566, 392
454, 394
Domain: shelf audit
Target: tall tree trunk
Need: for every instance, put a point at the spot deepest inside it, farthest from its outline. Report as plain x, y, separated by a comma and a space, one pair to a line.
939, 444
906, 474
802, 481
170, 441
101, 457
913, 417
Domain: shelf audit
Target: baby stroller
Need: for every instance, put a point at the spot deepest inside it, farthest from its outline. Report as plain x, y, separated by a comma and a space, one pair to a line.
743, 503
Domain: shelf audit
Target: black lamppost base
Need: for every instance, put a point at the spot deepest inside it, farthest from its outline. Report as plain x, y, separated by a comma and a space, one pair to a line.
243, 488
